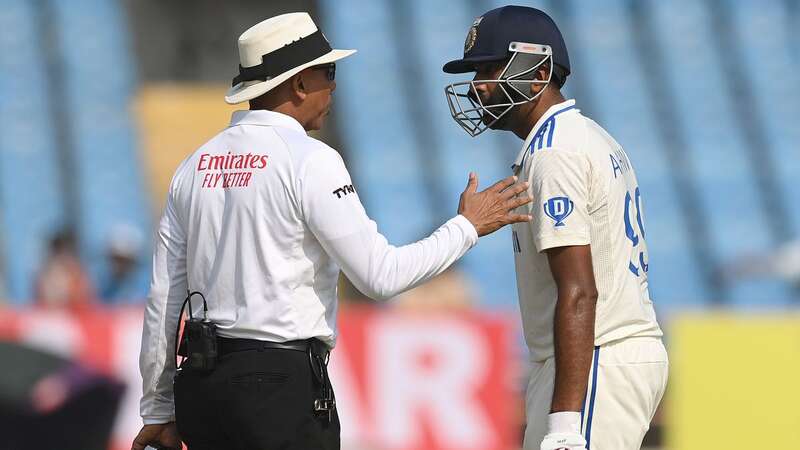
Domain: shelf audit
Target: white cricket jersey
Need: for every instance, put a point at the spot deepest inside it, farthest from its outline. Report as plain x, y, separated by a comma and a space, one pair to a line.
585, 193
260, 219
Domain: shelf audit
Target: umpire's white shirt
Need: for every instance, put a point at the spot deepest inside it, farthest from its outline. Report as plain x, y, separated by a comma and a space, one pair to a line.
260, 219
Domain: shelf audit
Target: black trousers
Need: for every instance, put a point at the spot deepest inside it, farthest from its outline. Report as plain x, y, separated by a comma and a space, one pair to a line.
254, 400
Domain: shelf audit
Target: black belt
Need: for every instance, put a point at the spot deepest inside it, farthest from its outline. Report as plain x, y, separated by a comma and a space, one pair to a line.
231, 345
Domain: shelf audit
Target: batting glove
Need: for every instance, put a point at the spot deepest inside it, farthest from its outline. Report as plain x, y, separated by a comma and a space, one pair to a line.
563, 441
564, 432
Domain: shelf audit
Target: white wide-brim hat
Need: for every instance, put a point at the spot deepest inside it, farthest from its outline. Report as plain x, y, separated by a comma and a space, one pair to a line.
274, 50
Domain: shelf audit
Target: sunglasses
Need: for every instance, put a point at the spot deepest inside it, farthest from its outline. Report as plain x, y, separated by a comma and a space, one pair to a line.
330, 69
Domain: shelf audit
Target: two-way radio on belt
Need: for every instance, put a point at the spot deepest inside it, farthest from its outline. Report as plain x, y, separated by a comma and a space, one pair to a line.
199, 343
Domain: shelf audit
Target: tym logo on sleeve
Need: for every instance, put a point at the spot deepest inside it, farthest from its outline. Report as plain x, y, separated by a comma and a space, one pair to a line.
558, 208
344, 190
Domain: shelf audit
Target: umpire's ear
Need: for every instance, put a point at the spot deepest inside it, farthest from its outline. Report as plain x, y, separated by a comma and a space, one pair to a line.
298, 84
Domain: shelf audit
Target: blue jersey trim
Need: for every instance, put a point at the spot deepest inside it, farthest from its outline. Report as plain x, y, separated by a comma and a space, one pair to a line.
591, 398
548, 126
538, 139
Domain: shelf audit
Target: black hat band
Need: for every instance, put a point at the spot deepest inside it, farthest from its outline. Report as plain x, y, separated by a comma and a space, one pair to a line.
286, 58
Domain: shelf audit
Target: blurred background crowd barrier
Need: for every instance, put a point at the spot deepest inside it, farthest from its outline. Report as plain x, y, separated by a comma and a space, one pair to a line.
101, 99
403, 380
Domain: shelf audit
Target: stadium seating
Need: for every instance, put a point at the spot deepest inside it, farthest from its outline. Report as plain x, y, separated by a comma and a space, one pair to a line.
611, 80
623, 106
490, 154
30, 182
99, 77
408, 158
718, 157
766, 43
375, 121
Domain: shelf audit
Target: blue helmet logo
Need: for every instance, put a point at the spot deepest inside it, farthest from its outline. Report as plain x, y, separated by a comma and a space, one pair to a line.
558, 208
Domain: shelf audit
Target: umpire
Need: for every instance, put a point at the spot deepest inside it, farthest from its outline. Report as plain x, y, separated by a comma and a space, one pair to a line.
260, 220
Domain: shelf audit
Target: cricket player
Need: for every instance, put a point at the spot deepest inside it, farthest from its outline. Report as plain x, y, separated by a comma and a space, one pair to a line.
599, 368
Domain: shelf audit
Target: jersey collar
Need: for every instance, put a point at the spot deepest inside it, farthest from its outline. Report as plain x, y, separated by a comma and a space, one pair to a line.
551, 112
265, 118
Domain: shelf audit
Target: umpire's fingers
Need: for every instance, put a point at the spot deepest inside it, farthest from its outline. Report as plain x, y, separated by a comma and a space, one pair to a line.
472, 183
515, 190
517, 218
518, 201
502, 184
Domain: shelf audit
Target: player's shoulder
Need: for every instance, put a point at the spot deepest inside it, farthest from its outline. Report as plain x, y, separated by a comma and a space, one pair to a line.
577, 133
599, 139
566, 139
564, 130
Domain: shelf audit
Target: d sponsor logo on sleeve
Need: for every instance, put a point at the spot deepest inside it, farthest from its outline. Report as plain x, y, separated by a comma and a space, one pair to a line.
558, 208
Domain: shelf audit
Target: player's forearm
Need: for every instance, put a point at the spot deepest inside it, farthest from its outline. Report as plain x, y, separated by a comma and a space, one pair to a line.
574, 341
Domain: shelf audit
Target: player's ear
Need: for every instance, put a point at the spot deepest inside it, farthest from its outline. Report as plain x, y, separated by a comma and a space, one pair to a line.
536, 87
541, 74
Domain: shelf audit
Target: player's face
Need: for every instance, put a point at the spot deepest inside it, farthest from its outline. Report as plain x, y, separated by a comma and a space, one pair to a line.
319, 84
490, 93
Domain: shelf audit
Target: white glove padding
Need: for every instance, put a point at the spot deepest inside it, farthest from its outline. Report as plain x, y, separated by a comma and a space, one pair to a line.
563, 441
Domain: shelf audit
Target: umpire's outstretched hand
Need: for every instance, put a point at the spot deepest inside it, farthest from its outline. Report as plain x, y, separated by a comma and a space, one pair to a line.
493, 208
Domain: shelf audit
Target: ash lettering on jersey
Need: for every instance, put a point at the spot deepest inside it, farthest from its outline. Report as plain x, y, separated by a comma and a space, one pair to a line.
229, 170
619, 162
344, 190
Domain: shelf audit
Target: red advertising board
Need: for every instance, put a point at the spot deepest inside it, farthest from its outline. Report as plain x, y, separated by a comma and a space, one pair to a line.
403, 381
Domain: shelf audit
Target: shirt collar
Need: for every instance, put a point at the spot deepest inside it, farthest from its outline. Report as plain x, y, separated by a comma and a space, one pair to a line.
551, 112
266, 118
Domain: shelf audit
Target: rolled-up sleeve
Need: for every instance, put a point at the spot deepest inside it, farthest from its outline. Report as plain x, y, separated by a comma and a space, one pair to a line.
167, 292
334, 213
